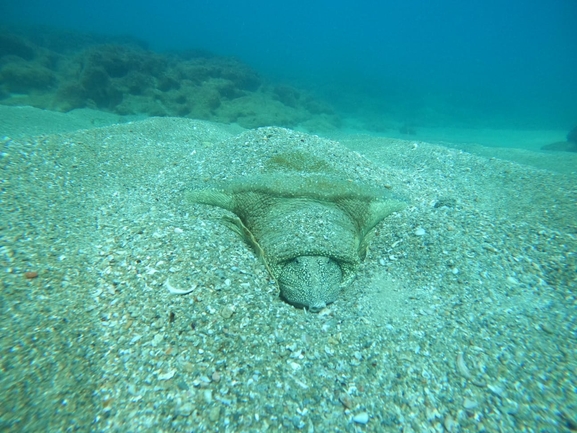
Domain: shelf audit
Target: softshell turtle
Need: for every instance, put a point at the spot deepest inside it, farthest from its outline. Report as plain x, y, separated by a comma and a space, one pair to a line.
311, 231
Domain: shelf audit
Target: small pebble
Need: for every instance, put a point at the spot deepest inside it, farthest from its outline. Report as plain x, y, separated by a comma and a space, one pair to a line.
346, 400
184, 410
432, 413
204, 379
227, 312
547, 328
511, 407
496, 389
512, 280
470, 404
182, 385
361, 418
30, 275
449, 424
214, 413
208, 396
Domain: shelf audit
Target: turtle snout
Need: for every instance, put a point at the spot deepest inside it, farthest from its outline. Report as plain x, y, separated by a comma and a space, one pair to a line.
310, 281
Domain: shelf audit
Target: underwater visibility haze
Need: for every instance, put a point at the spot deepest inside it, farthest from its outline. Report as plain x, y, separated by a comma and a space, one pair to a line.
380, 64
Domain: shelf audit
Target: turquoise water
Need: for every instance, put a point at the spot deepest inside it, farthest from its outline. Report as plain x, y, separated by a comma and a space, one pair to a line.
126, 306
413, 63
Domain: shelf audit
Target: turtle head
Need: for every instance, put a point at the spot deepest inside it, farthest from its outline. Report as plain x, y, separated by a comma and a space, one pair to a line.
311, 282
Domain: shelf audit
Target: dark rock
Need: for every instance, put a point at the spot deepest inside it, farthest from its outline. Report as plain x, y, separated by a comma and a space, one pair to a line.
562, 146
572, 136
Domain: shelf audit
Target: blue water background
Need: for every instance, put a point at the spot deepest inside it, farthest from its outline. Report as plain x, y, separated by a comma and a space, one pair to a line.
497, 63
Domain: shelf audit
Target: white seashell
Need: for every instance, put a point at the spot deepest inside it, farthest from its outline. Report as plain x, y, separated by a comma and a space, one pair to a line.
462, 367
295, 366
175, 291
168, 375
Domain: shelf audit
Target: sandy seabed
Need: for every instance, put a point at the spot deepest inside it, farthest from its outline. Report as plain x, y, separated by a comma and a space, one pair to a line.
462, 317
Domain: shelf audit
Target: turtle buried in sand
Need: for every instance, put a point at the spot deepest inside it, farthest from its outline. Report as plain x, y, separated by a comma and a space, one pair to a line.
311, 230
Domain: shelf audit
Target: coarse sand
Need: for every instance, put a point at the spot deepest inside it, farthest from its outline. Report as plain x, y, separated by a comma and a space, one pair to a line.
462, 317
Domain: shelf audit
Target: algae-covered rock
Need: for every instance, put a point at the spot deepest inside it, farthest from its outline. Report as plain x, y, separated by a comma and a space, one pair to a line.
22, 76
126, 78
